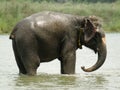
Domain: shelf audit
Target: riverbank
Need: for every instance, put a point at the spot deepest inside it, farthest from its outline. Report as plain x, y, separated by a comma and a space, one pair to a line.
14, 10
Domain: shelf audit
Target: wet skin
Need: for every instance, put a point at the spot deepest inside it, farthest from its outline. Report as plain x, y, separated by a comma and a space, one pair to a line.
45, 36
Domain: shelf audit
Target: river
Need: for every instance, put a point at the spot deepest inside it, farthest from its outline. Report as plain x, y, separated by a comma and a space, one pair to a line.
48, 74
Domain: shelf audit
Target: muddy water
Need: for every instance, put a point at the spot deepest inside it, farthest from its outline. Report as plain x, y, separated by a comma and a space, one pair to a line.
49, 77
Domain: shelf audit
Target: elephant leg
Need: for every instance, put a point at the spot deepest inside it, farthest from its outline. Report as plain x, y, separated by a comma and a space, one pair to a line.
27, 47
18, 59
31, 62
68, 63
68, 57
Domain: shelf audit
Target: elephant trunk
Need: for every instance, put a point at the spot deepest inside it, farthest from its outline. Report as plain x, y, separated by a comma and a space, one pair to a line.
102, 52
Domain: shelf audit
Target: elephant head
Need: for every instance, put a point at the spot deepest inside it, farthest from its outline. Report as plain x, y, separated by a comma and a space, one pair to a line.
93, 37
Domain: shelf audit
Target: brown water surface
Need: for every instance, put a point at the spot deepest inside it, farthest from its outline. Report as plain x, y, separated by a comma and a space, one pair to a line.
49, 77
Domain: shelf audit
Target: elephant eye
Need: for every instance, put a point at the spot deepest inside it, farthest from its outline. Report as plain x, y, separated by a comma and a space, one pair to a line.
93, 43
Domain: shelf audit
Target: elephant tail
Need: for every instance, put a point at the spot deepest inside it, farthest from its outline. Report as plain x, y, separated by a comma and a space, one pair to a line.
12, 35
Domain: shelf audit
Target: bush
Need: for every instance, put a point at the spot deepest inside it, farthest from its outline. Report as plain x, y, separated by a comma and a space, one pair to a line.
11, 11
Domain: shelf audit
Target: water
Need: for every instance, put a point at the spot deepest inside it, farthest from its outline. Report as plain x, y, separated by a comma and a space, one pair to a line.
49, 77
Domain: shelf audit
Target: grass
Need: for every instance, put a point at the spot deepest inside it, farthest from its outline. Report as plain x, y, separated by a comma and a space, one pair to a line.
13, 11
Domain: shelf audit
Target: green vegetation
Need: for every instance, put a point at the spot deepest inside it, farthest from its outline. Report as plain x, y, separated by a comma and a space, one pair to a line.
12, 11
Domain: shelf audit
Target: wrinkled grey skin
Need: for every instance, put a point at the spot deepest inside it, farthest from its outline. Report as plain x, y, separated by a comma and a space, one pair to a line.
45, 36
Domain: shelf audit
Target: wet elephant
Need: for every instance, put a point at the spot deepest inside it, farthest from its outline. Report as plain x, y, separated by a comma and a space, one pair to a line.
45, 36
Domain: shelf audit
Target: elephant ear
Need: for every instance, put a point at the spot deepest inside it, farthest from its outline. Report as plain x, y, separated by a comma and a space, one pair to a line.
89, 29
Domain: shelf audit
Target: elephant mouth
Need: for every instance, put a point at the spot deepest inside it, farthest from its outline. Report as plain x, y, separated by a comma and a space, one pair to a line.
102, 53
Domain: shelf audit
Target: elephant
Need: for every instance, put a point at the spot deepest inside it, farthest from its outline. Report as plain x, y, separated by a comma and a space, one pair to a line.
47, 35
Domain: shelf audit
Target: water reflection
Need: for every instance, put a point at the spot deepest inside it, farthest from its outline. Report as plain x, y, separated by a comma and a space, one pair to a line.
65, 82
95, 81
45, 81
